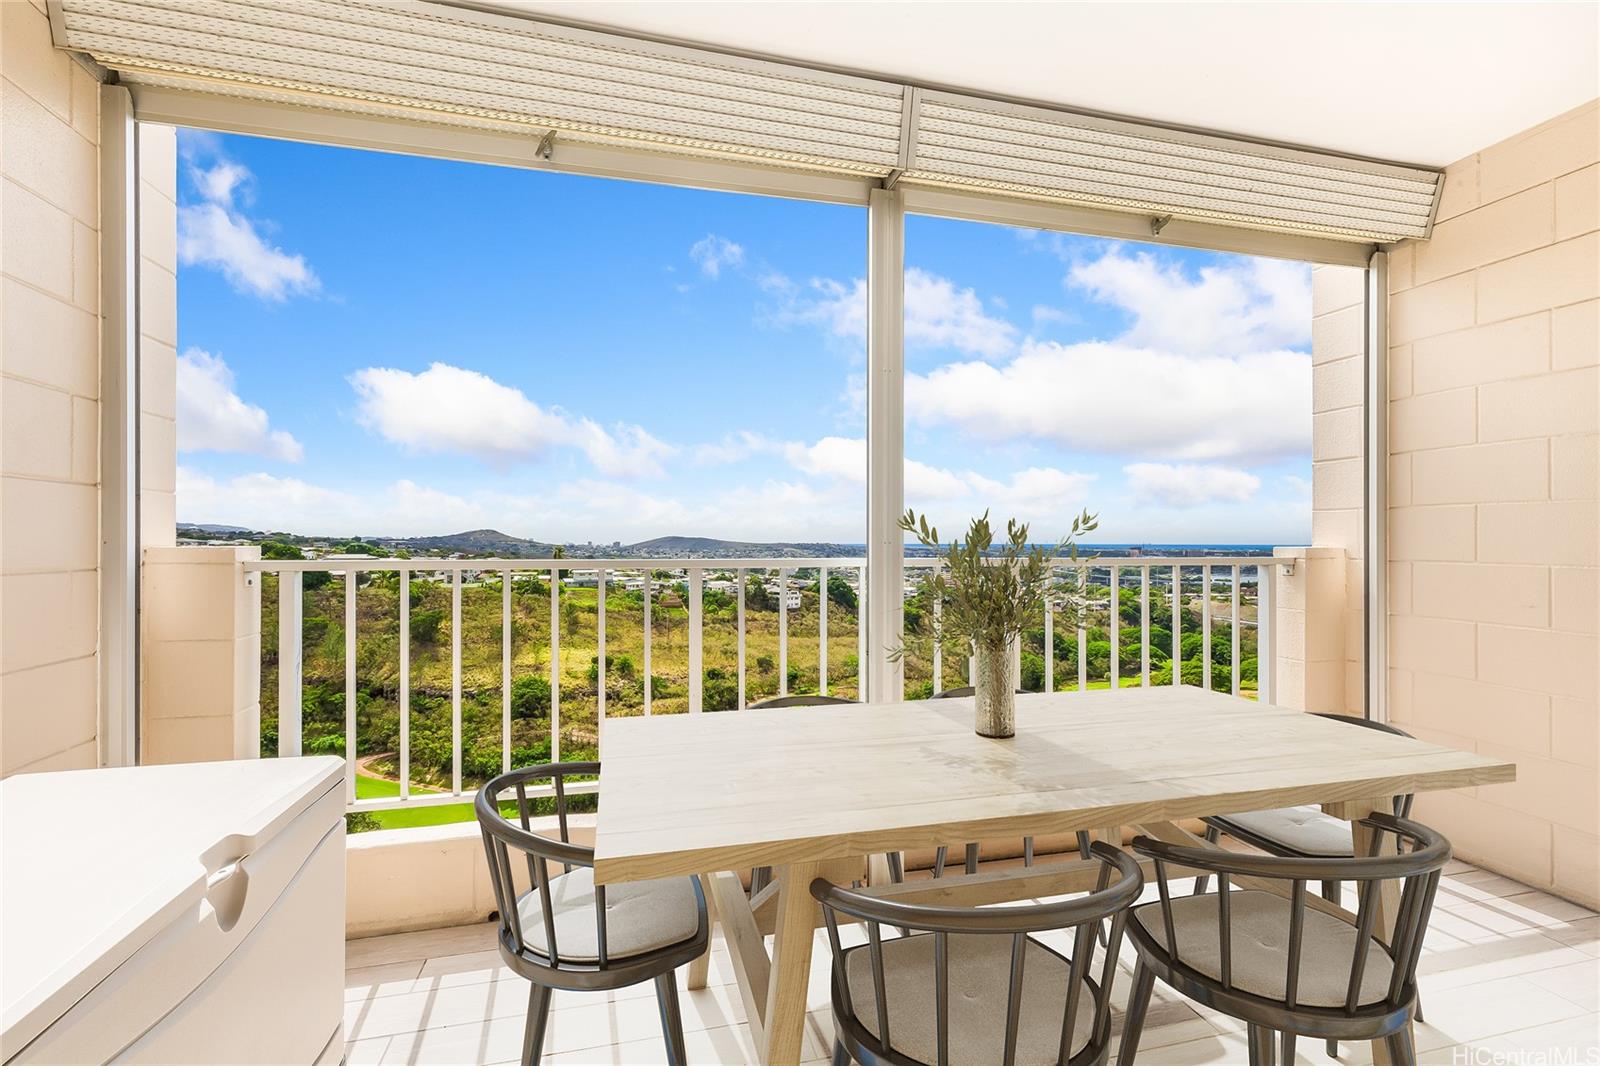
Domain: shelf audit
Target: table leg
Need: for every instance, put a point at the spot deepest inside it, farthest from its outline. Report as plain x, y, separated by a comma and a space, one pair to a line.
792, 938
700, 969
1363, 840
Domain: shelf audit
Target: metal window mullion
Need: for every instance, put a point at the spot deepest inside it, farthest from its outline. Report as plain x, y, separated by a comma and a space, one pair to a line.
1375, 546
885, 443
119, 429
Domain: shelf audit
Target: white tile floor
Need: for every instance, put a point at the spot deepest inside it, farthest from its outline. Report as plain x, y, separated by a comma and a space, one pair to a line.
1509, 976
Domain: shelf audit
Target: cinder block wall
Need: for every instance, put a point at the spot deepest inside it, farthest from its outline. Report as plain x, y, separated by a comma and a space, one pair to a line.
1493, 523
49, 400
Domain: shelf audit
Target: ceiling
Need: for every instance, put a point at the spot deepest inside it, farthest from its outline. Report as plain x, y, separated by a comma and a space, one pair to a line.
1424, 83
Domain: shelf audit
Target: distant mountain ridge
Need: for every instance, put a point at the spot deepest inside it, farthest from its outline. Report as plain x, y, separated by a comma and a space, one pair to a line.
710, 546
474, 542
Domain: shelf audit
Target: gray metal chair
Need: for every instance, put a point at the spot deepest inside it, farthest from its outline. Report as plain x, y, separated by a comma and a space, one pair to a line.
942, 856
567, 932
1269, 957
761, 876
968, 986
1301, 832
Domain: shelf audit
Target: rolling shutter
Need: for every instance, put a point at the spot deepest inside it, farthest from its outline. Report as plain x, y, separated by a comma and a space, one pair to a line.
442, 64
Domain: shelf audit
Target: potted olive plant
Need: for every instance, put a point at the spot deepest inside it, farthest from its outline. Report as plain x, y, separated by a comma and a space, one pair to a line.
987, 596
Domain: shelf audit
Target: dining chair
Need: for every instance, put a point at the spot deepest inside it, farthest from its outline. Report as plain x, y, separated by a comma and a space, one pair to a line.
970, 986
1282, 960
567, 932
761, 876
942, 856
1303, 832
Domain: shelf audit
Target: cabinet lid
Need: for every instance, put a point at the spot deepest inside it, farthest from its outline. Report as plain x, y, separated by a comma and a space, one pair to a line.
94, 863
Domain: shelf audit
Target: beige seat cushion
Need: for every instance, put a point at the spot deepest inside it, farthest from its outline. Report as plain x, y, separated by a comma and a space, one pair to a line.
1260, 925
1303, 829
641, 916
980, 975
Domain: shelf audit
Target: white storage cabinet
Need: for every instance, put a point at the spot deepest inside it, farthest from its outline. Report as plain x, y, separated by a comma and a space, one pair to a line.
189, 913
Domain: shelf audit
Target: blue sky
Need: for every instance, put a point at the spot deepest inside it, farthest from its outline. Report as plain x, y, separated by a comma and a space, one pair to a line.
380, 344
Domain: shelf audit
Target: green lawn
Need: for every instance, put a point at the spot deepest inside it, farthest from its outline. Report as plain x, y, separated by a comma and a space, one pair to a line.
405, 818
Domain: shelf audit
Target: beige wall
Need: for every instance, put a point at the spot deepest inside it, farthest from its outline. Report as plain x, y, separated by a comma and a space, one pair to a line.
1493, 524
49, 400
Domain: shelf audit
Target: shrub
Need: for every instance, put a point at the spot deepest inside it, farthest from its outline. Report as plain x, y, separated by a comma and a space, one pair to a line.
617, 666
1032, 671
719, 693
425, 624
530, 697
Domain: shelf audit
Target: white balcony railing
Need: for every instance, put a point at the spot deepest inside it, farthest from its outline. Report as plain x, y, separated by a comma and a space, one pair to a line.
1212, 578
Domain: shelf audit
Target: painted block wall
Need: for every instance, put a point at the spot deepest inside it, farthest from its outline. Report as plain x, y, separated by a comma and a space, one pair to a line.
49, 400
1494, 526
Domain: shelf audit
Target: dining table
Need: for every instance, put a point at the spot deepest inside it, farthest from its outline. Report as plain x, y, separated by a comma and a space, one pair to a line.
826, 791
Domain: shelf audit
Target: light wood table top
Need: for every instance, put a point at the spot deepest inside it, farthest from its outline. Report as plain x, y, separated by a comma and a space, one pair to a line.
696, 793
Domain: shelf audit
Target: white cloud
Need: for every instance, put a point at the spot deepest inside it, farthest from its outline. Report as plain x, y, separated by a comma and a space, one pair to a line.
449, 409
1189, 484
1249, 306
835, 457
215, 233
1035, 490
733, 448
1120, 398
712, 253
212, 417
218, 183
938, 314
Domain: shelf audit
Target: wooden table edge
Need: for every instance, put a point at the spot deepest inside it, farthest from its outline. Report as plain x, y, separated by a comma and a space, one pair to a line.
693, 862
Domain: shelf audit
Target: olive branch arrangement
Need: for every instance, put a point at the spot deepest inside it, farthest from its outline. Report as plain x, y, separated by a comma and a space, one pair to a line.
987, 599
